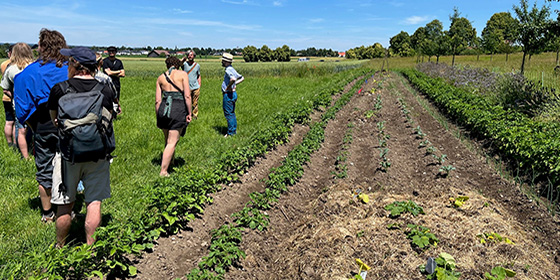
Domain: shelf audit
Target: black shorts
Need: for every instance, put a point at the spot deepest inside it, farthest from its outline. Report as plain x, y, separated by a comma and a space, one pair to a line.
9, 110
176, 120
45, 149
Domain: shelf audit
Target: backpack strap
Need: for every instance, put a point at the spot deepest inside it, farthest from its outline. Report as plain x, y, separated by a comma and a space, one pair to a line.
173, 84
66, 88
193, 66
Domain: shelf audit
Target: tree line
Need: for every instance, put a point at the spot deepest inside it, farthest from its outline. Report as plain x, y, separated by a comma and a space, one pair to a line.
284, 53
532, 31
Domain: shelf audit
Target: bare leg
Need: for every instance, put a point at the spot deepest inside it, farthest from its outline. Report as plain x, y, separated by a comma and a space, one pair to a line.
22, 142
63, 223
9, 131
45, 195
93, 220
172, 138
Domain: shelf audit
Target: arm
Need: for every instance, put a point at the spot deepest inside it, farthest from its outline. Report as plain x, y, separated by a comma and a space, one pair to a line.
158, 93
187, 95
199, 80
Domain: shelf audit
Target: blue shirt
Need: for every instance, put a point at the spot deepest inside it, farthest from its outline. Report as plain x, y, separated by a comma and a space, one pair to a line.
33, 85
230, 73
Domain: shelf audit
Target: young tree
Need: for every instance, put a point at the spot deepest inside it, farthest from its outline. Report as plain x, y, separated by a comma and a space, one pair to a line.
434, 43
499, 34
400, 45
250, 54
461, 34
416, 41
265, 54
533, 29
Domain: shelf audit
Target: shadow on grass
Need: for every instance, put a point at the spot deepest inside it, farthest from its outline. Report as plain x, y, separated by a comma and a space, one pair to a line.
175, 163
222, 130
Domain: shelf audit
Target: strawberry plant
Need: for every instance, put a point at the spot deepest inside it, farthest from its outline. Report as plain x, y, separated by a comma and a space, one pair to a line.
400, 207
421, 237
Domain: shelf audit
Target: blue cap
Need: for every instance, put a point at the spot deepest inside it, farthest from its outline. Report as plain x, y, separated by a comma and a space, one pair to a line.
81, 54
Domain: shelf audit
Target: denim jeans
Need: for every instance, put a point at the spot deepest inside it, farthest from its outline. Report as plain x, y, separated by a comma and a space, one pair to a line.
229, 111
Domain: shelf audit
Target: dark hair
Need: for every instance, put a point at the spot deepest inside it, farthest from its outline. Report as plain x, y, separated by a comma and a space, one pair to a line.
82, 68
173, 61
51, 41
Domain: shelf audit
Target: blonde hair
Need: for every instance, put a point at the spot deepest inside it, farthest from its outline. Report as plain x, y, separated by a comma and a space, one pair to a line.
22, 55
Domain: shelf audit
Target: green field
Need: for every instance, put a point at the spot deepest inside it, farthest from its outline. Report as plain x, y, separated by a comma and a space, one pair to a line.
270, 91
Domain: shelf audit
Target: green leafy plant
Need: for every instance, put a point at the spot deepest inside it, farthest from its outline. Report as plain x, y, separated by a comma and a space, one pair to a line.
439, 159
499, 273
431, 150
445, 269
400, 207
421, 237
369, 114
424, 143
444, 170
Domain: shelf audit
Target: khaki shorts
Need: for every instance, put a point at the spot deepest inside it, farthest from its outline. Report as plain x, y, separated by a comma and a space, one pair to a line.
94, 175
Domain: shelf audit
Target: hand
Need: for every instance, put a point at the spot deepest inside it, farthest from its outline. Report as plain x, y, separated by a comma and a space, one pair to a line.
119, 110
189, 118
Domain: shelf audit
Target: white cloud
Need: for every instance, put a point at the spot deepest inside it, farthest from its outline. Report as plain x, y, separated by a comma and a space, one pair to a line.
179, 11
244, 2
277, 4
415, 20
396, 4
316, 20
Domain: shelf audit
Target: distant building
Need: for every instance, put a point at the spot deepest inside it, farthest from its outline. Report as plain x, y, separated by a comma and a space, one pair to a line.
157, 53
341, 54
303, 59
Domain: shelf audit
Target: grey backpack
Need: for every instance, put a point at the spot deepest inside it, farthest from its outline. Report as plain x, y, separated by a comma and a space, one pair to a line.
83, 124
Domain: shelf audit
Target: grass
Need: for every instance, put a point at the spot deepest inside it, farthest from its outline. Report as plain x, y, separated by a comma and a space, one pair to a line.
269, 90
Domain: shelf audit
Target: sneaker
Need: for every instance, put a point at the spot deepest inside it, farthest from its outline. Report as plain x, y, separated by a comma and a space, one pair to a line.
226, 136
48, 218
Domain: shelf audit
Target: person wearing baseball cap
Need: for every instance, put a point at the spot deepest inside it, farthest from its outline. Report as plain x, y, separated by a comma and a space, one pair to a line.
82, 66
231, 80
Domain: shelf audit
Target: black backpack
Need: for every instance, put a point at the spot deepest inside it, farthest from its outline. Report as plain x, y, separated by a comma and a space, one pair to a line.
83, 125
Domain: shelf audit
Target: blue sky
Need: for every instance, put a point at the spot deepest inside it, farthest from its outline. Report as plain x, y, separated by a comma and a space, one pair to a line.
339, 25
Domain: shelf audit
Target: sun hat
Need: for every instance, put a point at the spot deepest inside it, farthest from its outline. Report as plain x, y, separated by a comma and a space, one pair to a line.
81, 54
227, 57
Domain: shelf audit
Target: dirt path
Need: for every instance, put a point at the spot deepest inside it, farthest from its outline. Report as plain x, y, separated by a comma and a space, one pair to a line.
318, 229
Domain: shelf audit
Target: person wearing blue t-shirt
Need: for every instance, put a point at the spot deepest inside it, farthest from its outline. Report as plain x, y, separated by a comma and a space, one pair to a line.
231, 79
32, 88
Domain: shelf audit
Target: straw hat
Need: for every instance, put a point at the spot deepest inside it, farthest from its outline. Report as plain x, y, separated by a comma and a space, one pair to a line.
227, 57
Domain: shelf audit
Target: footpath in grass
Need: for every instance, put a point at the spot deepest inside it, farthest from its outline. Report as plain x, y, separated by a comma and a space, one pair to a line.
143, 207
468, 217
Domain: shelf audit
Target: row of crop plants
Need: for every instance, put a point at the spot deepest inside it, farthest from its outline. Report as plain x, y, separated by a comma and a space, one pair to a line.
173, 202
224, 247
531, 143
